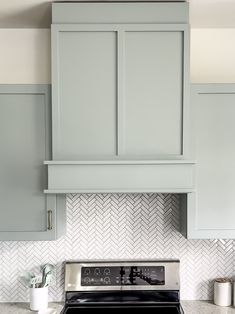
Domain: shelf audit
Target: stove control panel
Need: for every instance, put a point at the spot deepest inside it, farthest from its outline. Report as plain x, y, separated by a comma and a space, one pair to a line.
123, 276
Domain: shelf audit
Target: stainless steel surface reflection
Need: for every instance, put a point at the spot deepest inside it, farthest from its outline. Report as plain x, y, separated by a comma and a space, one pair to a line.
151, 286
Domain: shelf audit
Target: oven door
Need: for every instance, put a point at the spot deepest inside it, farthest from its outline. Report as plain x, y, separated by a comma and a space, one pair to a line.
115, 309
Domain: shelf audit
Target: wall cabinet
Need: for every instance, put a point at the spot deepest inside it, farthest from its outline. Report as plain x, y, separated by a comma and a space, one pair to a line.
211, 213
25, 140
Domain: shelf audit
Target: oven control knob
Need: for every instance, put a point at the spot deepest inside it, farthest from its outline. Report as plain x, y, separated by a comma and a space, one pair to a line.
97, 271
87, 280
87, 271
107, 280
107, 271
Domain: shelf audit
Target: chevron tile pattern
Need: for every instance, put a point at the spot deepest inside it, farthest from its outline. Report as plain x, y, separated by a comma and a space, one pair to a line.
123, 226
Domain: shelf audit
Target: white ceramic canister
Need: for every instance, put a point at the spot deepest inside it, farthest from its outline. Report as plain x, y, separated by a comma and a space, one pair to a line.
234, 293
223, 291
39, 299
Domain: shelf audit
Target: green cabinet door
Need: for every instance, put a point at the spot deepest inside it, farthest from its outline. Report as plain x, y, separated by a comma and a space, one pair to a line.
25, 141
211, 210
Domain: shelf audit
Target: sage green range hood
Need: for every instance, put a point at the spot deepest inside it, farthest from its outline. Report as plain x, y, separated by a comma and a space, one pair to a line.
120, 98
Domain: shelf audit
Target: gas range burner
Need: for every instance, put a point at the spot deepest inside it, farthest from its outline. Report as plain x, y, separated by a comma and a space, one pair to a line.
105, 286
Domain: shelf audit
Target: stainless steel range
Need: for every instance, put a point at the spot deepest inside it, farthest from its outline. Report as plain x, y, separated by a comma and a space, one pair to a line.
104, 286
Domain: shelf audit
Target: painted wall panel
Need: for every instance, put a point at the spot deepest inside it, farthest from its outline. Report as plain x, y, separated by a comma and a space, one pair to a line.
153, 93
85, 111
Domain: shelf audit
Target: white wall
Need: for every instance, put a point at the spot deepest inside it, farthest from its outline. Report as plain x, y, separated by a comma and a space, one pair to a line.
25, 56
213, 55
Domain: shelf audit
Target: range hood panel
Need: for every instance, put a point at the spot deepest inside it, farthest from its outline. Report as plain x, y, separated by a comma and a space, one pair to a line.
129, 177
120, 90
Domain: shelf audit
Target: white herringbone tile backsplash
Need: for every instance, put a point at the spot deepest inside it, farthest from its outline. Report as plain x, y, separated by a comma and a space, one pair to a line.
119, 226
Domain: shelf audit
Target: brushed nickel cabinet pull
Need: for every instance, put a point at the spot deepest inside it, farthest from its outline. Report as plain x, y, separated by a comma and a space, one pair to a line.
49, 216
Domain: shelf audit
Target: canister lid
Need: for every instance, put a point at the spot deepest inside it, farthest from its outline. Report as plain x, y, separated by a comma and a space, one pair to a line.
223, 280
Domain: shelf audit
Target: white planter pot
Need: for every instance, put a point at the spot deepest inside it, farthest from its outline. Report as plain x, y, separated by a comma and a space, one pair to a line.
38, 299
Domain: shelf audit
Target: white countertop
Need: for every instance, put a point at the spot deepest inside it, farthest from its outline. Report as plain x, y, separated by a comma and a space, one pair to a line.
205, 307
23, 308
190, 307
